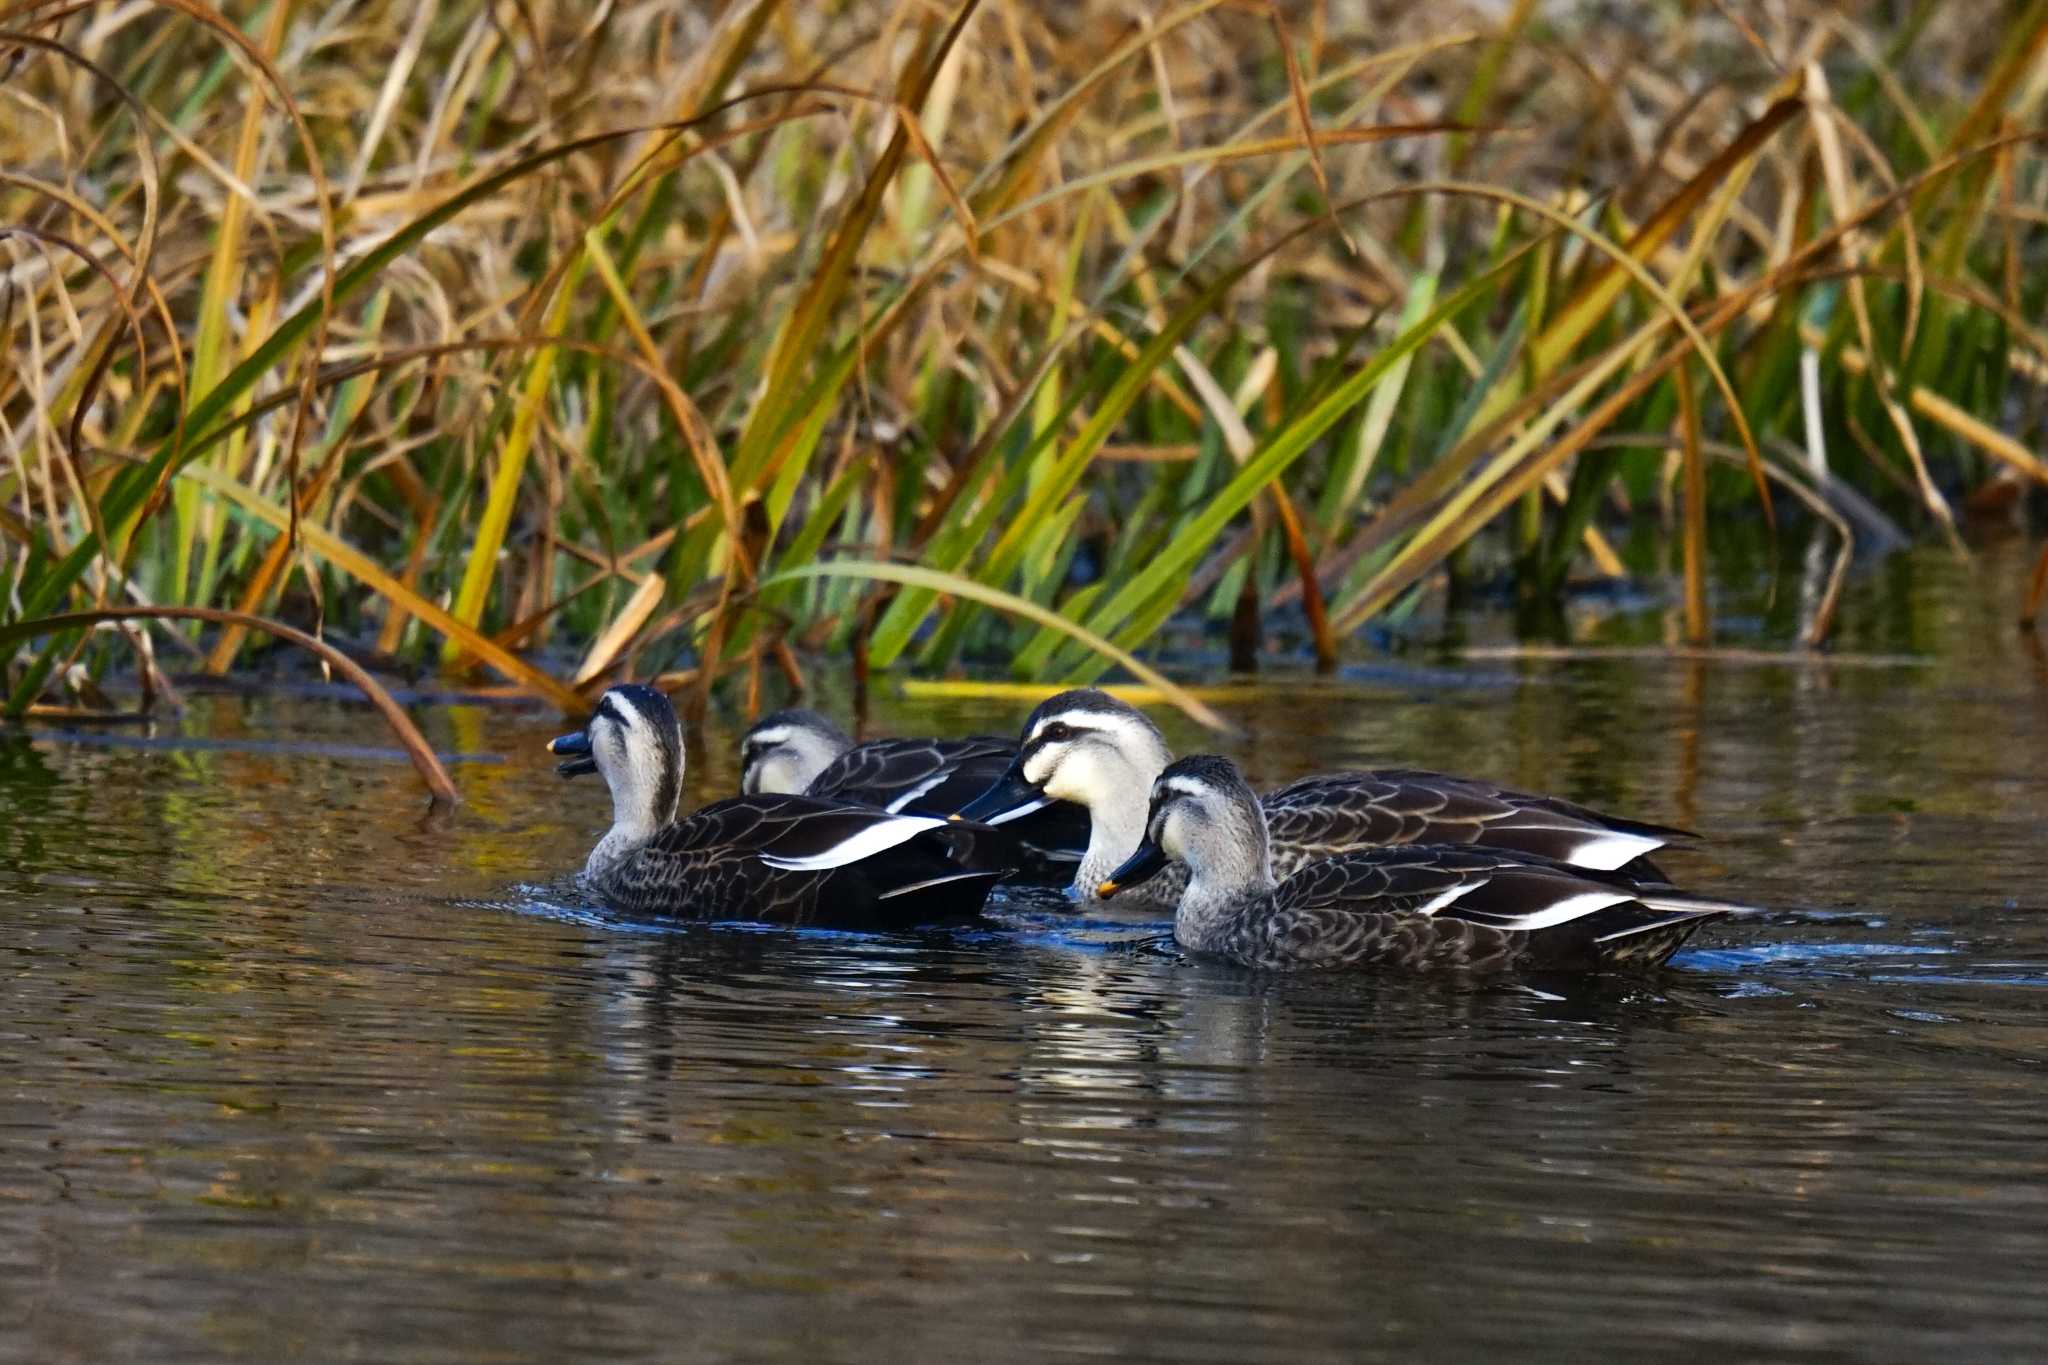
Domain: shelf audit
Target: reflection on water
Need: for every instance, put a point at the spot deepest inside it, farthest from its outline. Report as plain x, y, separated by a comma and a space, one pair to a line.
295, 1069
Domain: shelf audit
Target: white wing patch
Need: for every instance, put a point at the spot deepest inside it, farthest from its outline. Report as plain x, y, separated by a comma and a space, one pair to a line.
878, 837
896, 807
1018, 814
930, 882
1561, 911
1449, 897
1612, 849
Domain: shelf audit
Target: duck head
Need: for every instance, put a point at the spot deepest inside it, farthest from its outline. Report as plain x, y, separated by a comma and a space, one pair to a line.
1204, 814
785, 752
1083, 746
1087, 747
636, 743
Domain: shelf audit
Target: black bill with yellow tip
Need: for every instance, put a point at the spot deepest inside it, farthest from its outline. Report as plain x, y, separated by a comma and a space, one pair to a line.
1147, 862
577, 748
1012, 796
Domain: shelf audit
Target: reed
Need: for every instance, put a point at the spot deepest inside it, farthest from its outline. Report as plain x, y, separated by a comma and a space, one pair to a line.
561, 342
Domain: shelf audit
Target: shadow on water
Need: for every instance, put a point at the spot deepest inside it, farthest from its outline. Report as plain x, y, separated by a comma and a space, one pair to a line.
294, 1069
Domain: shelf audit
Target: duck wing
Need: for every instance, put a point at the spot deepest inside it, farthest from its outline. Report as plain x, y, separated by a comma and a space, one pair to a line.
923, 776
1373, 909
1332, 813
941, 776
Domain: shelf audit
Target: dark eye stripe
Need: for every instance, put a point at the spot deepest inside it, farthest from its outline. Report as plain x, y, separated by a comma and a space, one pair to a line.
1165, 801
1033, 748
1066, 730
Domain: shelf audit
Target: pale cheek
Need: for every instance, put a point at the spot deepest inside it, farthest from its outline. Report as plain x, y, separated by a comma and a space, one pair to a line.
776, 776
1071, 780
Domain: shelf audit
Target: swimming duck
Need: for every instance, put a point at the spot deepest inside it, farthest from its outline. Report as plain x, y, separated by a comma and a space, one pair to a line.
801, 751
1088, 747
783, 859
1420, 907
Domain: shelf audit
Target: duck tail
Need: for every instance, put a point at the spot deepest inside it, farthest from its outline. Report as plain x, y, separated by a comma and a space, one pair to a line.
1680, 904
945, 879
980, 848
1672, 918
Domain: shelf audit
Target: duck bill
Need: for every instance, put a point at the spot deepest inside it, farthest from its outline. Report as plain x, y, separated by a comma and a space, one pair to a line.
1011, 798
1148, 862
576, 748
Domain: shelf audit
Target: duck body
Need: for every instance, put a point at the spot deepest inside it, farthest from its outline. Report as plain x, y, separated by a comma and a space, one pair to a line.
1333, 814
1091, 749
1419, 907
1447, 907
772, 858
800, 751
781, 860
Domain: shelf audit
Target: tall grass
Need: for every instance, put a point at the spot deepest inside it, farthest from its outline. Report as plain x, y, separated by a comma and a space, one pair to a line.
565, 341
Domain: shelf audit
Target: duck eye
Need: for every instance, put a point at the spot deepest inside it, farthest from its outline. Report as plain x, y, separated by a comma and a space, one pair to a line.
1058, 730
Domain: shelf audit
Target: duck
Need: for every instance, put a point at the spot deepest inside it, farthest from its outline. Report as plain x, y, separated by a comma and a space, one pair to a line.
1464, 908
1098, 751
774, 858
801, 751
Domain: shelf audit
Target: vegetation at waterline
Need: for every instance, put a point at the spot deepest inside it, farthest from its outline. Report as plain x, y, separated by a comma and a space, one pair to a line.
564, 341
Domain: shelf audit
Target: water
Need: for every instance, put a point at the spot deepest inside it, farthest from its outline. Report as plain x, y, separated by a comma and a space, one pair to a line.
293, 1070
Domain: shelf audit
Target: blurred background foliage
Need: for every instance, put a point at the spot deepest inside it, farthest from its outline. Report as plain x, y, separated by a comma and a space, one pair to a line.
553, 342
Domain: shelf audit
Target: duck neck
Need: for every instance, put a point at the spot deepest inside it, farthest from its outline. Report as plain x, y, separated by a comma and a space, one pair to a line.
1223, 882
1116, 819
646, 792
629, 834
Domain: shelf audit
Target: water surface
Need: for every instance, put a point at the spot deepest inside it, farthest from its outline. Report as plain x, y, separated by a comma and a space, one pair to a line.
294, 1069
